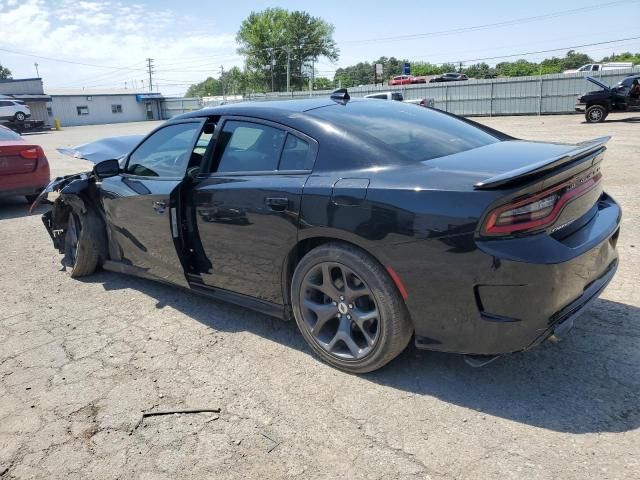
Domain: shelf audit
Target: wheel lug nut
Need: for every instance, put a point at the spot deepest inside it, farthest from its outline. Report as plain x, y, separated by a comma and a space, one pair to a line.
348, 317
341, 297
338, 315
350, 306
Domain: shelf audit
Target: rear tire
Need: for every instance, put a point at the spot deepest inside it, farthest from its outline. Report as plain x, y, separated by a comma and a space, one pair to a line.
595, 114
348, 309
20, 117
82, 244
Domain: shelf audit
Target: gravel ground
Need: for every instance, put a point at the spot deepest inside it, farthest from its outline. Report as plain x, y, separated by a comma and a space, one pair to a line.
81, 359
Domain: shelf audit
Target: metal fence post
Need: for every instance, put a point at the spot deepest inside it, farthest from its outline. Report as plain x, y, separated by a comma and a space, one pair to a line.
540, 98
491, 100
446, 98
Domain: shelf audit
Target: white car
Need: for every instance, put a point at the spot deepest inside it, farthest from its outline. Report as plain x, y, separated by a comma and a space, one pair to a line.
423, 102
11, 109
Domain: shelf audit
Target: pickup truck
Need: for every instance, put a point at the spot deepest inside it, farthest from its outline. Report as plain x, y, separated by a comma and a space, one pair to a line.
597, 67
622, 97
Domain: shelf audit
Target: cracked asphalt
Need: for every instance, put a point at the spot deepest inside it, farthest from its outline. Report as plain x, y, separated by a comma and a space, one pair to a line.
80, 360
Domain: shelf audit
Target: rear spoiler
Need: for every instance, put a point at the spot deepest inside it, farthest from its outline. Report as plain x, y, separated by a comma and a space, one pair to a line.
535, 169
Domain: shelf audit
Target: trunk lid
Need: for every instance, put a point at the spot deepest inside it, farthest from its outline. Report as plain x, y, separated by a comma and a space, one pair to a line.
18, 158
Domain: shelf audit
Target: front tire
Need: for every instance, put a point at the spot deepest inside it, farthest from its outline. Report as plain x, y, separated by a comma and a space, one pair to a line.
595, 114
348, 309
20, 117
82, 244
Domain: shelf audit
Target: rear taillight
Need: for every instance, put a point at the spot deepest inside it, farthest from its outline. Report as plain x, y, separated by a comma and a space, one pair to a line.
32, 153
539, 210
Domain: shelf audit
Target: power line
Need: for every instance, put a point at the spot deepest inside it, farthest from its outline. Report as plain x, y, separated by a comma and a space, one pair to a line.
15, 52
505, 23
550, 50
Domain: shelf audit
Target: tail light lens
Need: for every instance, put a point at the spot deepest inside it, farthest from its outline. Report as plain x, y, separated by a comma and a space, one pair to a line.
32, 153
539, 210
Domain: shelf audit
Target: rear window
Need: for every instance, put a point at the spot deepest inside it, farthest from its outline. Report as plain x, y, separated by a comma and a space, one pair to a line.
6, 134
413, 134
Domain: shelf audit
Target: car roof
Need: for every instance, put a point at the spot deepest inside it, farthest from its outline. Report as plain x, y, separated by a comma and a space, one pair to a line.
268, 110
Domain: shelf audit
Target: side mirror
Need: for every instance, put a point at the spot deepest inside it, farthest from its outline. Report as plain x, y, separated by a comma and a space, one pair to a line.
106, 169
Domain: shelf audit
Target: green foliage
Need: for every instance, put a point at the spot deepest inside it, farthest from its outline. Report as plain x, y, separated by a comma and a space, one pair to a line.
268, 37
5, 73
210, 87
480, 70
323, 83
623, 57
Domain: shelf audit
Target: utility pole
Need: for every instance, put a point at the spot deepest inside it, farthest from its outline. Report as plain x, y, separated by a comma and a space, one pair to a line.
288, 68
150, 69
37, 73
273, 65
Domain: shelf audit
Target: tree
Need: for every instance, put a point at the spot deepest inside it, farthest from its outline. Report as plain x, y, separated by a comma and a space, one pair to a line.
323, 83
623, 57
480, 70
270, 38
575, 59
209, 87
5, 73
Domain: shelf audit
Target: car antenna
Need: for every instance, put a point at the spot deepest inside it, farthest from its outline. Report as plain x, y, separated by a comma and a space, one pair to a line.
340, 95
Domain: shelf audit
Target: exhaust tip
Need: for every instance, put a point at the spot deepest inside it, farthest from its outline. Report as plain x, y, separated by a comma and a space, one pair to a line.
477, 361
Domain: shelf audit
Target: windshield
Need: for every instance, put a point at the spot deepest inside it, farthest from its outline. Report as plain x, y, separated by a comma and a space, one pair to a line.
416, 134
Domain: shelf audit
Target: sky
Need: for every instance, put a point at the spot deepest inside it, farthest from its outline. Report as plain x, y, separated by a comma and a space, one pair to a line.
103, 44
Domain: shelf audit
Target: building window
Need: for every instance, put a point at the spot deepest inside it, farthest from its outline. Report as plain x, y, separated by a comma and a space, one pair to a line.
116, 108
82, 110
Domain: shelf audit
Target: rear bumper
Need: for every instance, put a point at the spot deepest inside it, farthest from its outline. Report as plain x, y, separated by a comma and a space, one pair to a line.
21, 191
30, 183
498, 297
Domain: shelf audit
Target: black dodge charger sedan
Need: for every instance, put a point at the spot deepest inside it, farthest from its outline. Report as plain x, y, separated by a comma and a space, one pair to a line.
367, 222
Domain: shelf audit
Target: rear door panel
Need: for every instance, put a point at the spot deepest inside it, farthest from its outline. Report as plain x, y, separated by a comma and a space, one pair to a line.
247, 225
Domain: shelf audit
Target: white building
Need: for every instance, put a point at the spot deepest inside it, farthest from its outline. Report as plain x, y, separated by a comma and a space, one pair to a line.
100, 106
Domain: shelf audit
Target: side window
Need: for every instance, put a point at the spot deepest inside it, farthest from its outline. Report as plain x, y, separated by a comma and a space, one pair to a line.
295, 155
249, 147
596, 68
5, 104
166, 153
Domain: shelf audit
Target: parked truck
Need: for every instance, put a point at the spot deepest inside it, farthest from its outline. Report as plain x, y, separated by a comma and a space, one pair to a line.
597, 67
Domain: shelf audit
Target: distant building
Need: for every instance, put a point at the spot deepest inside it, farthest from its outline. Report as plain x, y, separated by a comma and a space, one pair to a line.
100, 106
31, 92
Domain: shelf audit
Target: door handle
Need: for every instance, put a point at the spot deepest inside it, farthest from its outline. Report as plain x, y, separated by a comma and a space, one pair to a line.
277, 204
159, 207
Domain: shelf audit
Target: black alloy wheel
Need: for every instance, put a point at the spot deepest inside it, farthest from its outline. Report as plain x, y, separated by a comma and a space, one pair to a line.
340, 311
348, 309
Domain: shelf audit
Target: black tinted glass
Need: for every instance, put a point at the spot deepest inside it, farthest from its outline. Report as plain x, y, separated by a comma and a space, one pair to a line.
415, 134
166, 153
249, 147
295, 155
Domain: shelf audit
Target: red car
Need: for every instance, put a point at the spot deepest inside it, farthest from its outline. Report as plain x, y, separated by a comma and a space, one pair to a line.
401, 80
24, 168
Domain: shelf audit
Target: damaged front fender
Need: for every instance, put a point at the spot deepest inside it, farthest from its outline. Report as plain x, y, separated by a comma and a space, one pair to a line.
74, 192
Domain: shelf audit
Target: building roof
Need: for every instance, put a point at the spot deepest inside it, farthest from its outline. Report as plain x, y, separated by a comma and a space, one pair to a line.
10, 80
87, 92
